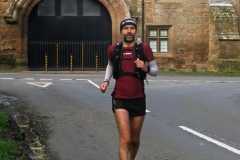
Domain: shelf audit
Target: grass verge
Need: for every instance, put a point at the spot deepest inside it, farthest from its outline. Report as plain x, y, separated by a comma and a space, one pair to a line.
227, 74
8, 147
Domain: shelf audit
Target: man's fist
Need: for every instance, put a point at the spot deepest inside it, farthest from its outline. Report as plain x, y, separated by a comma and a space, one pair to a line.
141, 64
103, 87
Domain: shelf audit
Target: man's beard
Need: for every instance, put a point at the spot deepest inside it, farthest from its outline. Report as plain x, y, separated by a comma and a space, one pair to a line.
127, 40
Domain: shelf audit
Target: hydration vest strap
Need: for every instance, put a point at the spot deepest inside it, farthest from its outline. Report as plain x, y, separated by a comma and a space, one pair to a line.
133, 74
117, 59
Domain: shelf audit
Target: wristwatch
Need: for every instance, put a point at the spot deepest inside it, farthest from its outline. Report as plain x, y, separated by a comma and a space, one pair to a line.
148, 69
106, 80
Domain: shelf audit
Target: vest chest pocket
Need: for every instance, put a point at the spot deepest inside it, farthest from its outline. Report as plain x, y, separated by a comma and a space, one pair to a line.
127, 56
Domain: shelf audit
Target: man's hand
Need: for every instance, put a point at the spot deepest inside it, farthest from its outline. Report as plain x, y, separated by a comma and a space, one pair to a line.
141, 64
103, 87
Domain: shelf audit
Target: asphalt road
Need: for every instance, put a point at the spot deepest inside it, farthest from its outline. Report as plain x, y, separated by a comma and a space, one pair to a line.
189, 118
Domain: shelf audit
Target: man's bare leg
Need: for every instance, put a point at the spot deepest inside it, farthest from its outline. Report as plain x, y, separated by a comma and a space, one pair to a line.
123, 123
135, 127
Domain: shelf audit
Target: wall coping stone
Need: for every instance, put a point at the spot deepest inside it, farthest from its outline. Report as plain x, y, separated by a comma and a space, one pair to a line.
225, 21
220, 4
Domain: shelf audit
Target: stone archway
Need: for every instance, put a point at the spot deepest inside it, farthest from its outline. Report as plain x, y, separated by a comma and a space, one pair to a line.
20, 10
118, 10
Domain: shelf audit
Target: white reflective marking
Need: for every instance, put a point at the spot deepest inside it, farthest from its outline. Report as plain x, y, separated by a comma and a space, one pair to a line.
211, 140
152, 80
7, 78
169, 80
42, 79
220, 4
40, 84
81, 79
29, 79
147, 111
195, 81
233, 81
65, 79
93, 84
214, 81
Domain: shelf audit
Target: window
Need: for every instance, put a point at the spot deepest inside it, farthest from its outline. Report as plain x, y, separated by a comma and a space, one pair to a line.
158, 39
68, 7
91, 8
46, 8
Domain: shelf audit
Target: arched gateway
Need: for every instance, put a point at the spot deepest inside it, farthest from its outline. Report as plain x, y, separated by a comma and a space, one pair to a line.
67, 34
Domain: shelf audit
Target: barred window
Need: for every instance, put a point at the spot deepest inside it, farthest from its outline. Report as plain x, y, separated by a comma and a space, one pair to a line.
158, 39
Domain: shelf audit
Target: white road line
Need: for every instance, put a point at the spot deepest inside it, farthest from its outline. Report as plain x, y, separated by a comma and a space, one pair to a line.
196, 81
234, 150
29, 79
93, 83
169, 80
7, 78
40, 84
214, 81
152, 80
42, 79
233, 81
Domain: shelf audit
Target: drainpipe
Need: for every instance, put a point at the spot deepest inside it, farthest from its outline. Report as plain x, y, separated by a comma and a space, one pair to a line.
143, 20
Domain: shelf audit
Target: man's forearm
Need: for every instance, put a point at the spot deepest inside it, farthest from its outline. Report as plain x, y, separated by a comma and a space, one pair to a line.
109, 71
153, 68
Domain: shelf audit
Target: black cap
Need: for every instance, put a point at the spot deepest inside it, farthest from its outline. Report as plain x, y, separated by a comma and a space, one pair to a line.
128, 21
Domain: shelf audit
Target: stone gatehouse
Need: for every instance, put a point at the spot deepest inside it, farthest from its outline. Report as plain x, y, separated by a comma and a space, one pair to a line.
182, 33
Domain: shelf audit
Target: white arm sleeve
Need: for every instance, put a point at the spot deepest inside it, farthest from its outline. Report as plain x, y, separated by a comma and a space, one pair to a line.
153, 68
109, 71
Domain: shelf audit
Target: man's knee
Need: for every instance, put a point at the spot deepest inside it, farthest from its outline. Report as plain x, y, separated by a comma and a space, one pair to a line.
126, 142
135, 141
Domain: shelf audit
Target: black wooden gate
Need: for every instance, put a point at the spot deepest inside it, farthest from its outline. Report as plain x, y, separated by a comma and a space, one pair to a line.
68, 34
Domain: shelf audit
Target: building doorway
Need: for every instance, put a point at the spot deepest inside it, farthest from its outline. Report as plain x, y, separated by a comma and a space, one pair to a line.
68, 34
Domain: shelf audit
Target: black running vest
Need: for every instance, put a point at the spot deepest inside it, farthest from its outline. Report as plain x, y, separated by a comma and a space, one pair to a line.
117, 59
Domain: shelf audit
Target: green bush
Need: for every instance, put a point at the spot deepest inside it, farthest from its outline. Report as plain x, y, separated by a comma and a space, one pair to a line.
3, 122
8, 149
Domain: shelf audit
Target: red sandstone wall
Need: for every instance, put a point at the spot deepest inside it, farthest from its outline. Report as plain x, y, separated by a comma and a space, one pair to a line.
9, 36
190, 22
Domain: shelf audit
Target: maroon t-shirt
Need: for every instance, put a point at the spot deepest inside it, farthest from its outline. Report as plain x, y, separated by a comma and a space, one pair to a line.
128, 87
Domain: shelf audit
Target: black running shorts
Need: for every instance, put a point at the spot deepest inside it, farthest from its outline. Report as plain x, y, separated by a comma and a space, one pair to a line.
135, 107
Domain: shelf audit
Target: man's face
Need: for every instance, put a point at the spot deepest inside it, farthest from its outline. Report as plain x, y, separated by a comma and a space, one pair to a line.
128, 33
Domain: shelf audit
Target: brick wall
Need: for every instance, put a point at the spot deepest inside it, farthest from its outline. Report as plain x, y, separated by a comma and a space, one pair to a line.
9, 36
190, 22
193, 32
